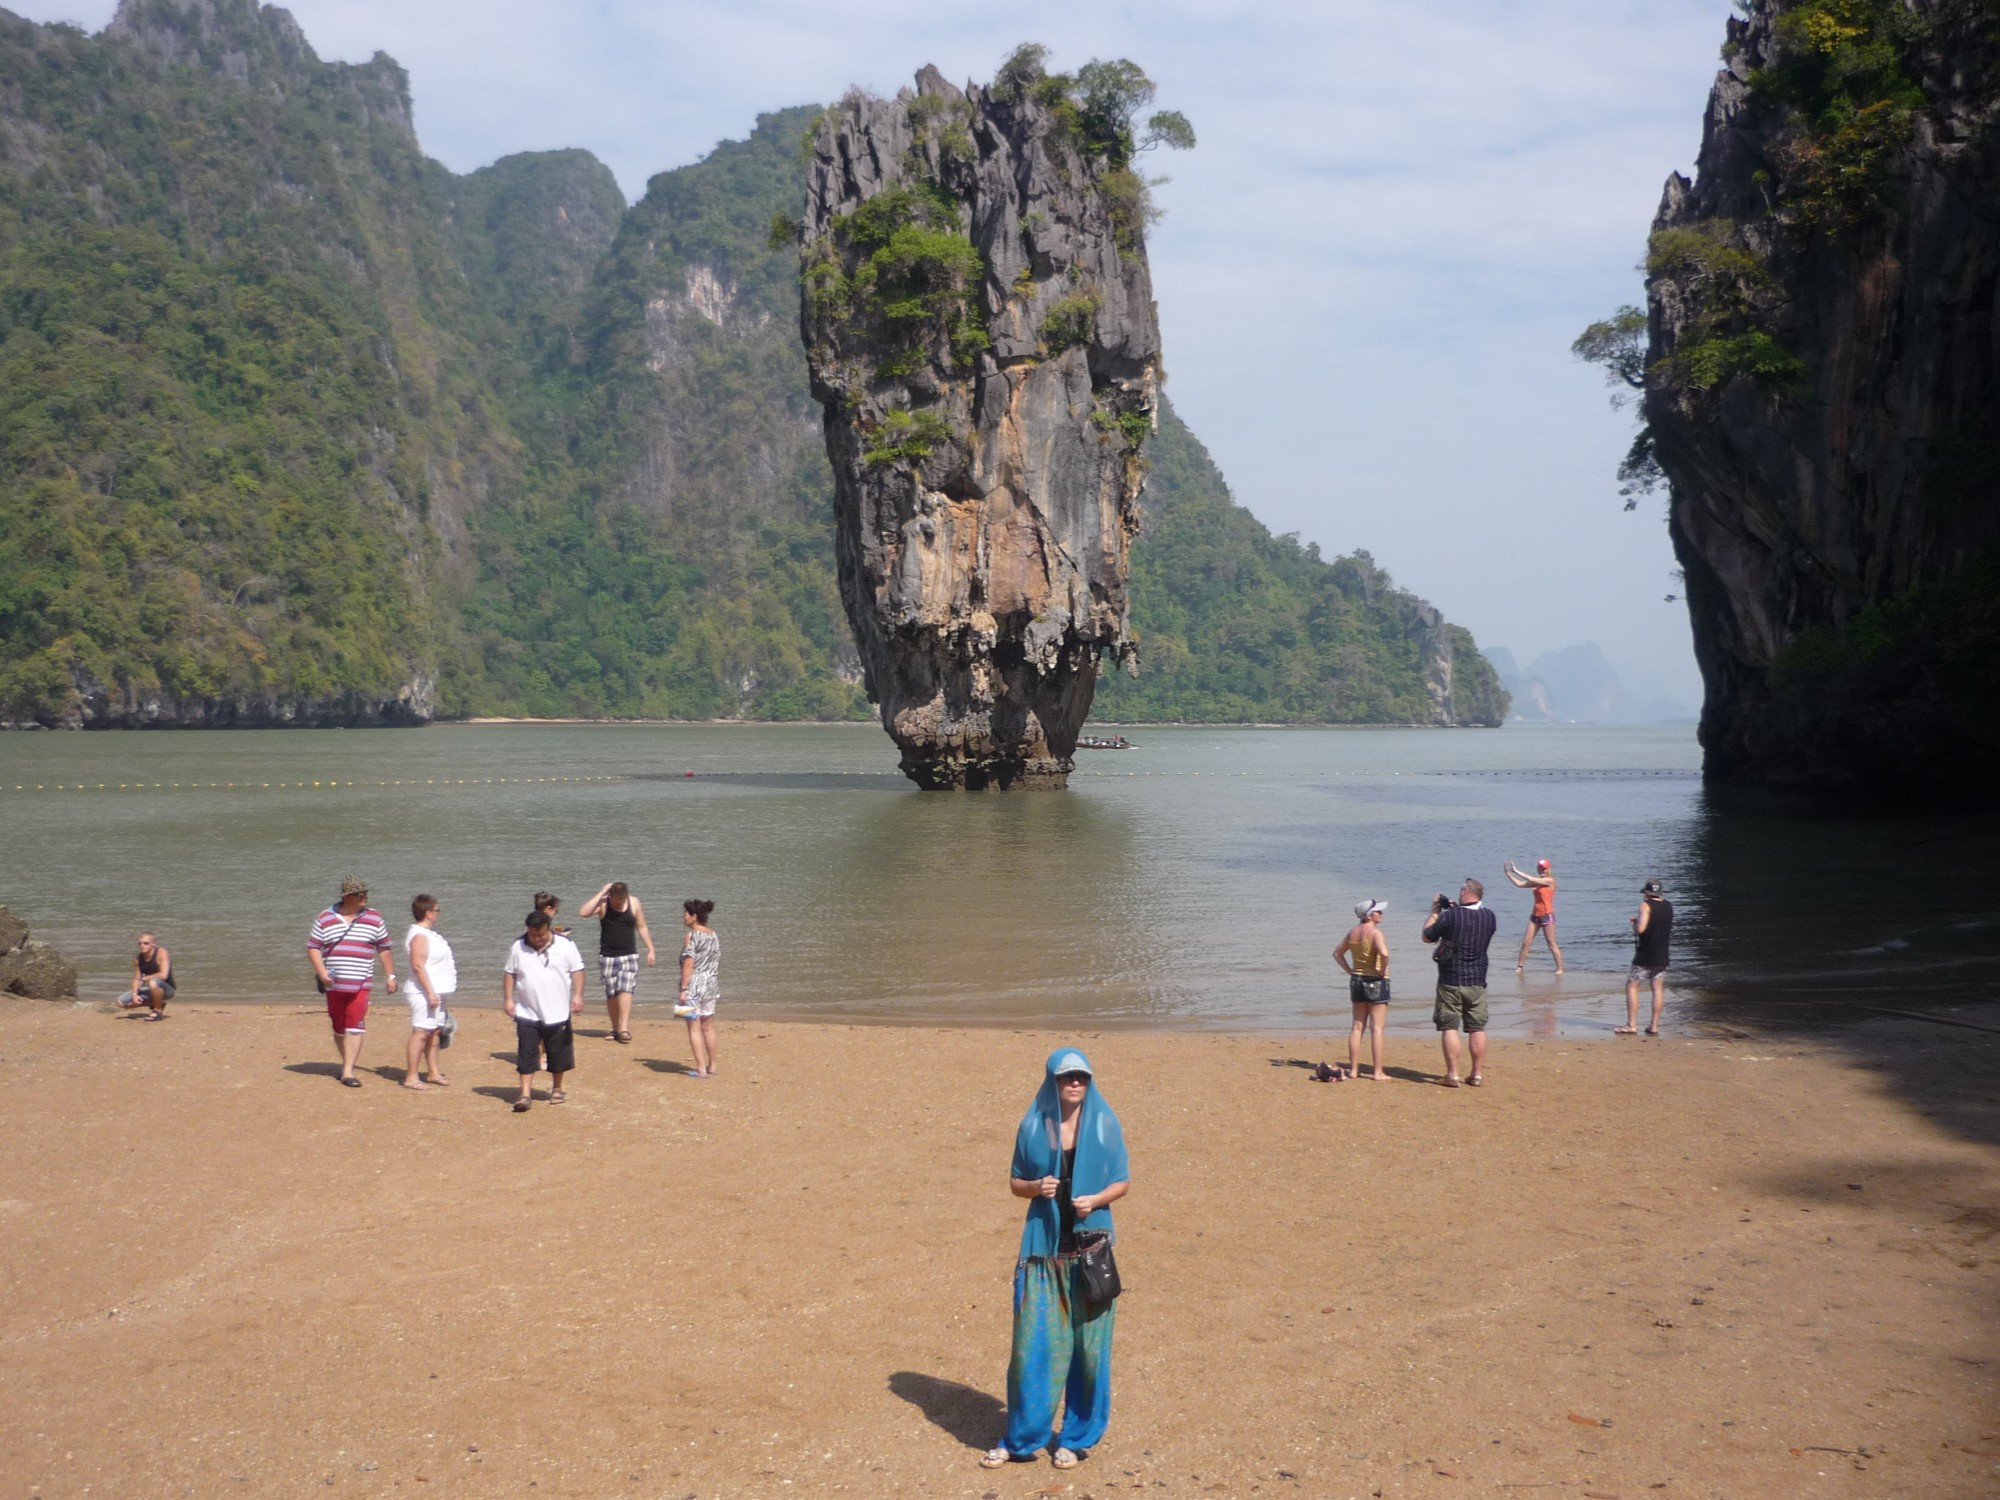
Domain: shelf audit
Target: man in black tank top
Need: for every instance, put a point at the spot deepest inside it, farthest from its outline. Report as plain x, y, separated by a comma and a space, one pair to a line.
1652, 930
152, 980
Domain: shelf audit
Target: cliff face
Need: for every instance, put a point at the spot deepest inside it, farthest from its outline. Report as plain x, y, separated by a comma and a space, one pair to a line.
979, 320
1823, 394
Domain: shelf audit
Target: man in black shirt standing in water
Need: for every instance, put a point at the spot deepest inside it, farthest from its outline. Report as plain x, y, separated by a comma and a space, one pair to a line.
1462, 934
1652, 928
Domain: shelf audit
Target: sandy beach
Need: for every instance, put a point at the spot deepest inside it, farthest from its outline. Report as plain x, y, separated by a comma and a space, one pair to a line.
1743, 1266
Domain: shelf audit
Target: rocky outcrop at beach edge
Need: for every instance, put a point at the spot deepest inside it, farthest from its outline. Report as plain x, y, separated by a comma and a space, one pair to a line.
94, 705
30, 967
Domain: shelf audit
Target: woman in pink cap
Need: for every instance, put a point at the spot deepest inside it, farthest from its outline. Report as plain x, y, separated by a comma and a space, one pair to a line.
1543, 918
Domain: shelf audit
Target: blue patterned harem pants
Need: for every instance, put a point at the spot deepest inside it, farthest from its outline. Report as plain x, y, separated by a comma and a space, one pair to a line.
1062, 1351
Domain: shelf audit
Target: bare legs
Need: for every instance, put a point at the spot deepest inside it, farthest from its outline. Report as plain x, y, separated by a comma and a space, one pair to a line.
1631, 1026
349, 1043
422, 1058
1528, 941
1373, 1017
1477, 1039
618, 1009
701, 1041
413, 1058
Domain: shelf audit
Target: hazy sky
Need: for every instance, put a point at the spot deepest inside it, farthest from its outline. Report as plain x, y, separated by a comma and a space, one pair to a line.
1399, 215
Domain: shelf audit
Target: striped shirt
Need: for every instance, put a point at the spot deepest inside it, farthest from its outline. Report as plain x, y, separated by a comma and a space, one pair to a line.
350, 945
1468, 929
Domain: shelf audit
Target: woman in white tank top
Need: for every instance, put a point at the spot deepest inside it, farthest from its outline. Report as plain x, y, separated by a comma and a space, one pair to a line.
433, 975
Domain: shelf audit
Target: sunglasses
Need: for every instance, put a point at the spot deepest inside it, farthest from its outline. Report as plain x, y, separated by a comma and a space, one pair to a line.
1066, 1079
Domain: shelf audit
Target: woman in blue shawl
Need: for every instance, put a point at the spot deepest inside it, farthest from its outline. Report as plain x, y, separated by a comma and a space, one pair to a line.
1069, 1163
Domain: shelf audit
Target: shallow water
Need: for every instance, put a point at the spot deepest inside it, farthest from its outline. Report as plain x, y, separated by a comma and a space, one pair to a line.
1198, 879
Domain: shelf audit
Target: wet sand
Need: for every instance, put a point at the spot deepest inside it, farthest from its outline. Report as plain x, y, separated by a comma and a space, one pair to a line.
1738, 1267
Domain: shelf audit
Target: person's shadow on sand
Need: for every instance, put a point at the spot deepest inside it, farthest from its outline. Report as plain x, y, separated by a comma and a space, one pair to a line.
666, 1065
314, 1069
970, 1415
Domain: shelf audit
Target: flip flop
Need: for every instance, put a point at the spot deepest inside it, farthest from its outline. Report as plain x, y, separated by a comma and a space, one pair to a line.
557, 1096
622, 1036
350, 1083
520, 1106
1652, 1031
1063, 1458
1451, 1083
996, 1458
1626, 1031
1477, 1080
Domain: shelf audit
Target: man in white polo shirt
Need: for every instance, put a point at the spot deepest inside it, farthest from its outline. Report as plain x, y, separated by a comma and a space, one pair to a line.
541, 988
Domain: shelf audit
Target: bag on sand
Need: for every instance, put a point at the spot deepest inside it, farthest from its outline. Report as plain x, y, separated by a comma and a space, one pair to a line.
1098, 1268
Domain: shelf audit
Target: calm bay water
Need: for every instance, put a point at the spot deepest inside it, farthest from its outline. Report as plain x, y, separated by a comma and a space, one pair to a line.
1198, 879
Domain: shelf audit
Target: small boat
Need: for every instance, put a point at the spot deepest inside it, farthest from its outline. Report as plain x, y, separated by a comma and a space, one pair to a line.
1104, 742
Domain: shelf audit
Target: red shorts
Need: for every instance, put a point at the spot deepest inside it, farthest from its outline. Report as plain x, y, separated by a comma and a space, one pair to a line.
348, 1010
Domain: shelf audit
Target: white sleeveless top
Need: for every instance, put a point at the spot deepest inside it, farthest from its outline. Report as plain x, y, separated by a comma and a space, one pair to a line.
440, 968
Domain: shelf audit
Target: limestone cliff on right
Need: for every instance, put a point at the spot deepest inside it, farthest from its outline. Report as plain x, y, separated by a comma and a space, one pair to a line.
1822, 395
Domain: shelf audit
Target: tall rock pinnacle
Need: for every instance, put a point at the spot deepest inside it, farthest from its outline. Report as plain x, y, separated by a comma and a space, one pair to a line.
979, 320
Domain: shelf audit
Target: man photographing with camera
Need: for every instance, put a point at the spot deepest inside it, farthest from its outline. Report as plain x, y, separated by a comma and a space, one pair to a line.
1461, 934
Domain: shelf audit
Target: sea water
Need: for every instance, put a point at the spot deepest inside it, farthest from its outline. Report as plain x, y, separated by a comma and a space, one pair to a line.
1199, 879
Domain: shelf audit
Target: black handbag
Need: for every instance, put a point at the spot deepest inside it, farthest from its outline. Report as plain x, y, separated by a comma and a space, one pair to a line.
1097, 1268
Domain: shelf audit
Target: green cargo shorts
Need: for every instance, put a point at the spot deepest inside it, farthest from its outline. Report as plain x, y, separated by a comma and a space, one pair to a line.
1460, 1007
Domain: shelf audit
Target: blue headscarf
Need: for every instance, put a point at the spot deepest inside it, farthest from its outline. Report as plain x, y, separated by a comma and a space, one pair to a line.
1100, 1153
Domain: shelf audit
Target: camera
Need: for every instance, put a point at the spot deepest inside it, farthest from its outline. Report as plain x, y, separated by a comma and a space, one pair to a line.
1440, 901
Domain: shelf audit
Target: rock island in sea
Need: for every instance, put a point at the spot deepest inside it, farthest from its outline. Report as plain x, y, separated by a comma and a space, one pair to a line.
980, 323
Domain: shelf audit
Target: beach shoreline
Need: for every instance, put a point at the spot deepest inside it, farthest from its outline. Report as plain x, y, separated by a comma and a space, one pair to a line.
228, 1274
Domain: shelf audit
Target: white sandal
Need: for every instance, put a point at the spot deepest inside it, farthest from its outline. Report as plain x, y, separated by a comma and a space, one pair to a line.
1064, 1459
996, 1458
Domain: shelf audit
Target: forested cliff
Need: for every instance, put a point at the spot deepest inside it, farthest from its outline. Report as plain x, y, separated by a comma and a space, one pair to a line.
1822, 393
297, 426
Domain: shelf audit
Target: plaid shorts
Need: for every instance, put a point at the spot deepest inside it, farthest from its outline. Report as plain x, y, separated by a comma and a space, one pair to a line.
620, 973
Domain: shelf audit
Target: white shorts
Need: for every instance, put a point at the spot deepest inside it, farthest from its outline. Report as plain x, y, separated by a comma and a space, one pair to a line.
422, 1017
702, 1005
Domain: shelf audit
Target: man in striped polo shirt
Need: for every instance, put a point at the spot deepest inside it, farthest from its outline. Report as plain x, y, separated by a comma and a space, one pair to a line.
343, 948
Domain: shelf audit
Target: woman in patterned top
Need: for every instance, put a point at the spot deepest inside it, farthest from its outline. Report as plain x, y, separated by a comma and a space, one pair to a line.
701, 963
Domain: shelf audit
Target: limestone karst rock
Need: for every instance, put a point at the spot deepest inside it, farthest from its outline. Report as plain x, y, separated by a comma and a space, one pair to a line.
1823, 394
980, 324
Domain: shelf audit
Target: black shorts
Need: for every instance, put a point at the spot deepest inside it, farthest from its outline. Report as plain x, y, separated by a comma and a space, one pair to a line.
531, 1037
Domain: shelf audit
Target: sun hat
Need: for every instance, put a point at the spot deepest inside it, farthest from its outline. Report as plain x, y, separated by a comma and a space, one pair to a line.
1366, 909
352, 885
1071, 1061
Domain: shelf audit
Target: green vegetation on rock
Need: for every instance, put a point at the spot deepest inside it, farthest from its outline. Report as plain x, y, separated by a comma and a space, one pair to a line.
1841, 75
